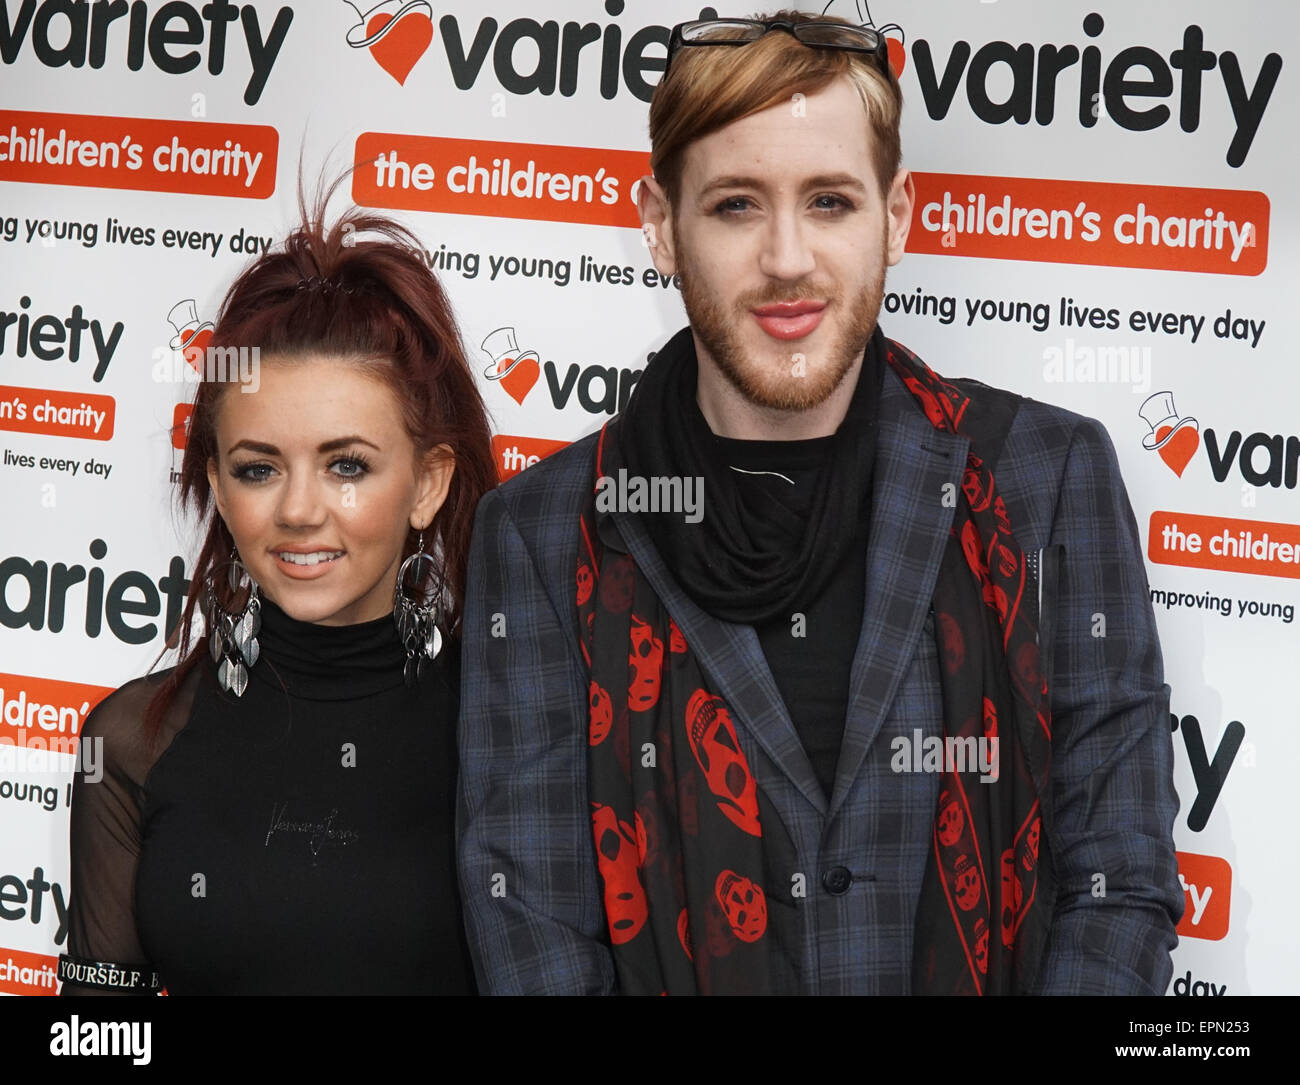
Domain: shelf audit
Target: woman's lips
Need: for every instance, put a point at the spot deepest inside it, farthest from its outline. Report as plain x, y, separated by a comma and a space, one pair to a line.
790, 321
298, 571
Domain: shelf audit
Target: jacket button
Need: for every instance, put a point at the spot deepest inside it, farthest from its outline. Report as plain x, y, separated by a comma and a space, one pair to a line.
837, 880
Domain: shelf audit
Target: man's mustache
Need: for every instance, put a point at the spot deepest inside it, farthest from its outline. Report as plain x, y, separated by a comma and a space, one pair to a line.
770, 296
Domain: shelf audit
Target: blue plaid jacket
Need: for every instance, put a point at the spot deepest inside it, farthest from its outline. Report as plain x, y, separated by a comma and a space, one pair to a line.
532, 899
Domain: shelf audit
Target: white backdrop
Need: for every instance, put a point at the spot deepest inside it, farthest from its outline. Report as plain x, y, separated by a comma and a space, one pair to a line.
1107, 220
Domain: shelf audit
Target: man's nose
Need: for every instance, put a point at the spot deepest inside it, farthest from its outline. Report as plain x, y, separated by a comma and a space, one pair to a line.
787, 253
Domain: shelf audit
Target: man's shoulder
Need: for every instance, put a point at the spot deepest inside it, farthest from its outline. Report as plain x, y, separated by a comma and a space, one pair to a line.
1049, 420
550, 494
539, 511
1040, 434
1046, 451
1043, 426
571, 465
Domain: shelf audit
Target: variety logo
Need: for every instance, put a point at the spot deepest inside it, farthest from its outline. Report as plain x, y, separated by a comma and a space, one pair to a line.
26, 898
192, 336
399, 32
1135, 76
81, 34
893, 35
1176, 439
1262, 459
1209, 775
190, 356
599, 389
516, 370
396, 33
50, 338
49, 592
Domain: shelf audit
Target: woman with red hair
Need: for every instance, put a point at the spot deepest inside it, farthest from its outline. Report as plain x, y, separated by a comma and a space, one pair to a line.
276, 810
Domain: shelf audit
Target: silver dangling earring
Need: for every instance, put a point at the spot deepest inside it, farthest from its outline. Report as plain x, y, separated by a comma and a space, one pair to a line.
233, 637
417, 613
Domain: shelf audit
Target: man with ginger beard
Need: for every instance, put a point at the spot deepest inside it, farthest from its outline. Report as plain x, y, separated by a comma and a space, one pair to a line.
848, 731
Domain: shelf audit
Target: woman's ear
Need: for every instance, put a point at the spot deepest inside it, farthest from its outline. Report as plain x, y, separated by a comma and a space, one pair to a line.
432, 485
214, 478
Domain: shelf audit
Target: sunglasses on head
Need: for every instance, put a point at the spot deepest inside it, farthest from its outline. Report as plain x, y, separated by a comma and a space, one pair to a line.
817, 35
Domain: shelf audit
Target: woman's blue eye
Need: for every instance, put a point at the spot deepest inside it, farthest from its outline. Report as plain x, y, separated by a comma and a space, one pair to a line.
345, 467
252, 472
350, 467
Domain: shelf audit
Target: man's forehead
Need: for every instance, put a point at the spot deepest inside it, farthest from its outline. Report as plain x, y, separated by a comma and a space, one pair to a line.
821, 133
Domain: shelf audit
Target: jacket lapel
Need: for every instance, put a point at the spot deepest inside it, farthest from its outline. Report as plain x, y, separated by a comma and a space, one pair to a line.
733, 659
911, 514
910, 519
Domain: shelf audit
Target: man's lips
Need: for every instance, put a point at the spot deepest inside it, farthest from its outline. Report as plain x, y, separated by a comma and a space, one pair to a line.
789, 308
789, 319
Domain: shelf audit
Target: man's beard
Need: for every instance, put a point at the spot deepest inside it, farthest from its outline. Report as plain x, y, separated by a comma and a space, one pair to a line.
801, 381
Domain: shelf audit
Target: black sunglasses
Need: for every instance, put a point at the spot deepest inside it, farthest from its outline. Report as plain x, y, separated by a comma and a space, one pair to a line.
818, 35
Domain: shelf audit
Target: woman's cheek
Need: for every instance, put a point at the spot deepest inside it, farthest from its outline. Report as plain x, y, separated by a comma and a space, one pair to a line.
367, 508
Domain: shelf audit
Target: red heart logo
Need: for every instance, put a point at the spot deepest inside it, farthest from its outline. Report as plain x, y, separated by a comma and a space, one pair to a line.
195, 347
399, 49
1181, 448
519, 381
897, 55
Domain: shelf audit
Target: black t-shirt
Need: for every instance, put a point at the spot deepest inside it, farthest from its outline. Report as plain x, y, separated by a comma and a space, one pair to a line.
297, 839
810, 651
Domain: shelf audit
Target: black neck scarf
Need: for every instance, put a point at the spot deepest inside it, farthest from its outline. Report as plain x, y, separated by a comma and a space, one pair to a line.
729, 571
686, 845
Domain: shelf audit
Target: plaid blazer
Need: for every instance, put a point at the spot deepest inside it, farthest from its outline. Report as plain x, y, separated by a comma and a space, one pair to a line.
532, 898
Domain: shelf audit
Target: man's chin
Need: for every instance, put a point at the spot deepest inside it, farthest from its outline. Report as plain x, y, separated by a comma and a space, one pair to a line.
795, 384
793, 395
792, 374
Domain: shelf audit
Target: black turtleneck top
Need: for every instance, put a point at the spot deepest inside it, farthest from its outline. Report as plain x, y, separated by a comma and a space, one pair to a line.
811, 664
295, 840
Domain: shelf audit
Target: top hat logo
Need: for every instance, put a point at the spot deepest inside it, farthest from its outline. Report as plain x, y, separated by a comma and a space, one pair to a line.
1176, 439
516, 370
895, 45
191, 336
397, 33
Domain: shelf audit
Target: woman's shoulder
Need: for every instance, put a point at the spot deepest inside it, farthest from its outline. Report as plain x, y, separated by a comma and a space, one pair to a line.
126, 704
117, 724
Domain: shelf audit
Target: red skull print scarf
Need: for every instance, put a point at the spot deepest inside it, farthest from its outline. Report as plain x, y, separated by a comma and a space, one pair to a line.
691, 857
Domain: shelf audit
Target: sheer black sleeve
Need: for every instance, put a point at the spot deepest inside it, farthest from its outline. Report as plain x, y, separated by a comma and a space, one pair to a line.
104, 839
